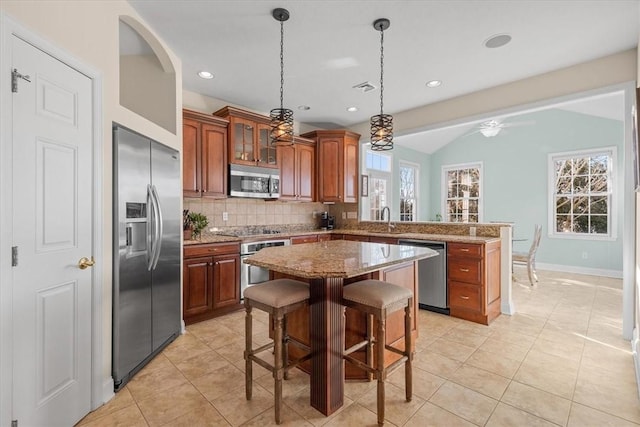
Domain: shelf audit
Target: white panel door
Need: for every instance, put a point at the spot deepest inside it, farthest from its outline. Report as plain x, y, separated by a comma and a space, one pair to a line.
52, 220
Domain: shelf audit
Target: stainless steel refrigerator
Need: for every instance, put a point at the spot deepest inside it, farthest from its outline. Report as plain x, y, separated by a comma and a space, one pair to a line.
147, 223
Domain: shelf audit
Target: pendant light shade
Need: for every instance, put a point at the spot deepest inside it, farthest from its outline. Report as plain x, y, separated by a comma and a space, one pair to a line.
381, 124
281, 118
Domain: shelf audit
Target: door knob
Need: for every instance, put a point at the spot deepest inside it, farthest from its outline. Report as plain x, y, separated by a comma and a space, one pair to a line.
85, 262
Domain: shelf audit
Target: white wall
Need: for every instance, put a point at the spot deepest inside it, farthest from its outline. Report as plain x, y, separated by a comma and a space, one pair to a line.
89, 31
607, 71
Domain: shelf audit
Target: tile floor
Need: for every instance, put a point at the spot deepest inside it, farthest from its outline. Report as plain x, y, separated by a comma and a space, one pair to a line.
559, 361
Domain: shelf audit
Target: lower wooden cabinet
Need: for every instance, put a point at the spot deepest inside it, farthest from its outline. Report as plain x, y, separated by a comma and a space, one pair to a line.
308, 238
211, 281
473, 278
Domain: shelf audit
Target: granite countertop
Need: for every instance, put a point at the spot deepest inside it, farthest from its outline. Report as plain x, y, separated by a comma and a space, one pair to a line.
335, 258
422, 236
219, 238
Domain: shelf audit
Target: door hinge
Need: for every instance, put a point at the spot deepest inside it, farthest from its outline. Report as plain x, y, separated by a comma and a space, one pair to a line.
14, 423
15, 75
14, 256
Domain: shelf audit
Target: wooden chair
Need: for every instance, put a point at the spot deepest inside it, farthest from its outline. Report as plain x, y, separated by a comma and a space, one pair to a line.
529, 258
378, 299
278, 298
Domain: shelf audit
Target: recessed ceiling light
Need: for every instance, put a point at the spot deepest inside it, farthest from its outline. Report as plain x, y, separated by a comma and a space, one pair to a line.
205, 74
497, 40
352, 109
303, 107
434, 83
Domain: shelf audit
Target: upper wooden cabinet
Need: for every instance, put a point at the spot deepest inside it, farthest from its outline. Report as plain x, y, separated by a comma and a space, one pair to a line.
337, 160
249, 138
297, 164
204, 155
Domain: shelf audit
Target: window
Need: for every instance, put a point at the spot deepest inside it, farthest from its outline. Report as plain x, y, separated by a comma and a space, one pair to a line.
581, 191
378, 167
462, 192
408, 191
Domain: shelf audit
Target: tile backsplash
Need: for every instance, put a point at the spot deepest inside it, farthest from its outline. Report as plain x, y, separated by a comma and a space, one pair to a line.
242, 212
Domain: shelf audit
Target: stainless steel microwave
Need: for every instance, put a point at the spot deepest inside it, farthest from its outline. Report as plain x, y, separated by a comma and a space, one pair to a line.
252, 181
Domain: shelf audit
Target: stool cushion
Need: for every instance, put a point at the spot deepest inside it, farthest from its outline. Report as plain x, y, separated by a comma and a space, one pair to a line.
376, 293
278, 293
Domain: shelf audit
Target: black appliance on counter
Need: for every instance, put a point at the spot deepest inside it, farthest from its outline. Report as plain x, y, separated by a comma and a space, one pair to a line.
327, 221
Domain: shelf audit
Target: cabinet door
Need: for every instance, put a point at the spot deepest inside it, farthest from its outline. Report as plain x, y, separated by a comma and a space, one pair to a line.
214, 161
330, 170
306, 172
242, 141
287, 162
350, 170
226, 280
190, 158
265, 152
197, 286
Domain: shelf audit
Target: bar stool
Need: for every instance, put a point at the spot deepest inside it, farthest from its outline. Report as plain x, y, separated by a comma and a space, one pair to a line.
378, 299
278, 298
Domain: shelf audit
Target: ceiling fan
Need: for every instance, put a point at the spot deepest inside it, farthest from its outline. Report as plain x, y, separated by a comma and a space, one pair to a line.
493, 127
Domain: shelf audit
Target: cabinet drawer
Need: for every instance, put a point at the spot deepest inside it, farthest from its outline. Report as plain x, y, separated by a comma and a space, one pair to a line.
211, 249
465, 296
467, 270
464, 249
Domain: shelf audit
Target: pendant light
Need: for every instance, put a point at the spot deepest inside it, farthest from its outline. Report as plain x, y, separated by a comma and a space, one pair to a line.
281, 118
381, 124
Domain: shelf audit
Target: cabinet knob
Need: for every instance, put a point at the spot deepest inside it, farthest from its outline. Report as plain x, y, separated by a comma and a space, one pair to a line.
464, 270
464, 297
464, 250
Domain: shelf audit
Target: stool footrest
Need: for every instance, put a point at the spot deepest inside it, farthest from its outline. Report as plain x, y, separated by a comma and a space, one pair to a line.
393, 366
395, 350
358, 363
262, 348
296, 362
298, 344
261, 362
356, 347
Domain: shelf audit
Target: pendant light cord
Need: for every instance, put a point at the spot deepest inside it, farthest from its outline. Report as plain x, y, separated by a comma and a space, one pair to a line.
281, 64
381, 68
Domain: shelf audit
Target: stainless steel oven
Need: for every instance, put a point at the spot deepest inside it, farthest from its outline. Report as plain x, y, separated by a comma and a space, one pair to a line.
250, 274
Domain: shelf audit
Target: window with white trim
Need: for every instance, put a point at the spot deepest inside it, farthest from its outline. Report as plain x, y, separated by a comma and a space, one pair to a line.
462, 192
378, 166
408, 190
581, 188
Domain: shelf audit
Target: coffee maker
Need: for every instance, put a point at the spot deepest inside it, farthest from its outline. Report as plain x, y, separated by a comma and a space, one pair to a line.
327, 221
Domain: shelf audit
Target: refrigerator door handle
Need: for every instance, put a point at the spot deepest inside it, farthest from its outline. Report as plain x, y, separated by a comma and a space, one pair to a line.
159, 229
150, 215
152, 235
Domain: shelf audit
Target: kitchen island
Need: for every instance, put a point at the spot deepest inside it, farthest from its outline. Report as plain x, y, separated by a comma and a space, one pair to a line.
327, 266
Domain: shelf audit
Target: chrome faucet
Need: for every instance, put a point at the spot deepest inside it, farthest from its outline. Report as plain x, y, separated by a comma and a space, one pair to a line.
389, 225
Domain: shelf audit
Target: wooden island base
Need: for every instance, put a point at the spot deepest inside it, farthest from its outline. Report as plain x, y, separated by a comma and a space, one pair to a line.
404, 275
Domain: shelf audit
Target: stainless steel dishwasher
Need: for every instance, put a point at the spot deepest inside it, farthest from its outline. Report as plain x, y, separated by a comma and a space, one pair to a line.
432, 276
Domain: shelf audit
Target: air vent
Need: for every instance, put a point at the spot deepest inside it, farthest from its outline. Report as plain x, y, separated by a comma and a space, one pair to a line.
364, 87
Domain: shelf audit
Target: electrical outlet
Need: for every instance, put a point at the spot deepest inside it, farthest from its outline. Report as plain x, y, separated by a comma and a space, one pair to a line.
344, 215
314, 214
472, 231
585, 255
225, 216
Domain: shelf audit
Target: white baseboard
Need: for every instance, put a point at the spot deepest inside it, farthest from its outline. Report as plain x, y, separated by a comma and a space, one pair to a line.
635, 347
107, 390
617, 274
183, 329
